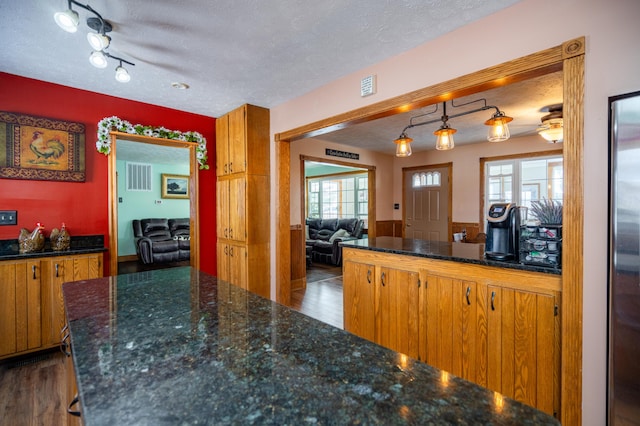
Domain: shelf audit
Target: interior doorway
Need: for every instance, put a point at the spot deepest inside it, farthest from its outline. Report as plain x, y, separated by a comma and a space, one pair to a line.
427, 199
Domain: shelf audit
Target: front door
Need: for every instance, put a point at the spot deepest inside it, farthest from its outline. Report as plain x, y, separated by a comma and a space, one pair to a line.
427, 200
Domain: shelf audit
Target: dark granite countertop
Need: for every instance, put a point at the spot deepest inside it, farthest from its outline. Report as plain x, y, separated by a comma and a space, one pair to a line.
177, 346
457, 252
81, 244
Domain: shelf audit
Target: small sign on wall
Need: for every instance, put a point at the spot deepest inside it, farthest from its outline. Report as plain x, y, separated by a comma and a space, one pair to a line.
342, 154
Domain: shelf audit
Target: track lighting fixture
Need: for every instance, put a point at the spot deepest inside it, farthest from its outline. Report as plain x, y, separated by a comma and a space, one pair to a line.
99, 40
498, 130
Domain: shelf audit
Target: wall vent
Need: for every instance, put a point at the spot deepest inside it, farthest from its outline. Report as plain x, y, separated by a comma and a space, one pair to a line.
138, 177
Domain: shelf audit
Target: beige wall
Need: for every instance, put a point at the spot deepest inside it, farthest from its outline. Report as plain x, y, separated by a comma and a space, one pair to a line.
612, 67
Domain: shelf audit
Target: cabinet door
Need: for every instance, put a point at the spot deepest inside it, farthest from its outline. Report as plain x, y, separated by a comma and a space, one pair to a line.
57, 271
238, 210
222, 145
223, 262
522, 345
20, 307
455, 326
232, 264
237, 140
223, 208
397, 305
358, 299
238, 265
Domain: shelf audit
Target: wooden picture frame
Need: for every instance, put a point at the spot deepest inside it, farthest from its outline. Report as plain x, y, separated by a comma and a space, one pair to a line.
175, 186
39, 148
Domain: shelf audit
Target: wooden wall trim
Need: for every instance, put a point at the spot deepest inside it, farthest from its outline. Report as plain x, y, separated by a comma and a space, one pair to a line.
573, 242
283, 223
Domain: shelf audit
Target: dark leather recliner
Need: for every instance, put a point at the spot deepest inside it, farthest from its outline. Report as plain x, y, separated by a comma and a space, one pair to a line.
325, 236
155, 242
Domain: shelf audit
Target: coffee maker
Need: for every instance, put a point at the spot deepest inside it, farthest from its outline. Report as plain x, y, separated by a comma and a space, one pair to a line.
503, 225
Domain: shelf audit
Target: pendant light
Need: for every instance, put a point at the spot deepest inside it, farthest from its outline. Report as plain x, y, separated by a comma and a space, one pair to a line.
498, 127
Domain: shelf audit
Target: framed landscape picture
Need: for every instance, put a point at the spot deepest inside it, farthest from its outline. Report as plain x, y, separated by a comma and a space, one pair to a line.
175, 186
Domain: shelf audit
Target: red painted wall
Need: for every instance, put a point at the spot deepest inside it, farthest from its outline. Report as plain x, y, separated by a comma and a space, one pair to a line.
84, 206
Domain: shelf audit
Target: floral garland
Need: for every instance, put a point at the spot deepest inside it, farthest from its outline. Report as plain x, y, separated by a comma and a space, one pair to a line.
107, 124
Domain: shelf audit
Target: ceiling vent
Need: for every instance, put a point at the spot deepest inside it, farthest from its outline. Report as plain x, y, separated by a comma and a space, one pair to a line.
138, 177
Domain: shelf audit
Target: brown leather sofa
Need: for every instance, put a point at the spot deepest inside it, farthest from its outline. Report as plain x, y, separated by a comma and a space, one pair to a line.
160, 240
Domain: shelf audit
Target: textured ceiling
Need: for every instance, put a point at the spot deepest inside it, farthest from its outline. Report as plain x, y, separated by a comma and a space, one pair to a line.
229, 52
525, 102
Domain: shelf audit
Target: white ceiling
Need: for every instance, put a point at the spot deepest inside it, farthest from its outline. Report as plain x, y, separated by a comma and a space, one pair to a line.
259, 52
229, 52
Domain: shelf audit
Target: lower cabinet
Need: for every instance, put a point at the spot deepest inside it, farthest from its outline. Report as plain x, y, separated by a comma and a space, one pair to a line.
20, 307
496, 327
31, 304
524, 346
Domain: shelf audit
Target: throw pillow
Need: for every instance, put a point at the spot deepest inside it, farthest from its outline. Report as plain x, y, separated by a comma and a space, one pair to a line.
340, 233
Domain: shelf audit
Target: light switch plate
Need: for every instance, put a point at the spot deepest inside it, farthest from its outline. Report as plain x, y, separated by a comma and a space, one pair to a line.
8, 217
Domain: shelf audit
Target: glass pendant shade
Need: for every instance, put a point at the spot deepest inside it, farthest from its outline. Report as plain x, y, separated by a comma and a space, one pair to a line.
499, 129
122, 75
67, 20
98, 41
403, 145
552, 130
444, 140
98, 59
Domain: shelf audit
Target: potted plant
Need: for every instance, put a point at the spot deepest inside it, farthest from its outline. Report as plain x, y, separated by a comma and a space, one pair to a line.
548, 212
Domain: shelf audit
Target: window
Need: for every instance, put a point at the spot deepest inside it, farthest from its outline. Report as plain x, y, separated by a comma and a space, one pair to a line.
338, 196
421, 179
523, 180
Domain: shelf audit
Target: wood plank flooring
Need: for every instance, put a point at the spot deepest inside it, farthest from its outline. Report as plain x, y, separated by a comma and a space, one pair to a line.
33, 388
322, 299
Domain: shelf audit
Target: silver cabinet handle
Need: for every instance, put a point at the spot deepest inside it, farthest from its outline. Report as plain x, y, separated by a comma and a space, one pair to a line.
231, 251
226, 250
369, 276
231, 167
33, 269
57, 270
468, 292
382, 279
493, 297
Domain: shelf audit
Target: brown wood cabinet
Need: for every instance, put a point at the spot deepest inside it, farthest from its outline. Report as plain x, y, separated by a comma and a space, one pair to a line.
55, 272
31, 305
494, 326
242, 189
20, 307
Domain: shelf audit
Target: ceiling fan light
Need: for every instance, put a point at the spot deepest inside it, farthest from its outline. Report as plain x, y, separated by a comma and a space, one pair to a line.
122, 75
98, 41
444, 140
499, 129
403, 145
98, 59
67, 20
552, 130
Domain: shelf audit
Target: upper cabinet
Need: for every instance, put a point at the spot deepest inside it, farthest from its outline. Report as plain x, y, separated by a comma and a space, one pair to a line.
242, 141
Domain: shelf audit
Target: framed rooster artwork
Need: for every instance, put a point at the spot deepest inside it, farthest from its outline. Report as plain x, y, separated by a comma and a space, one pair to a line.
41, 148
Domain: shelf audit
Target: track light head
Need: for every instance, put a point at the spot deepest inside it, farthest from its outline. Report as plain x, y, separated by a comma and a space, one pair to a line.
98, 41
67, 20
122, 75
98, 59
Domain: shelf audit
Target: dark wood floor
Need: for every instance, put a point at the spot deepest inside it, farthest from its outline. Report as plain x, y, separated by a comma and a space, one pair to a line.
322, 299
33, 388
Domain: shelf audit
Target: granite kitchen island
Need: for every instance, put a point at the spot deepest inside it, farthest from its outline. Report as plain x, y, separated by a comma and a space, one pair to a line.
177, 346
